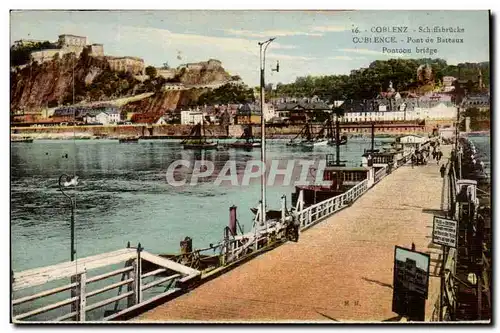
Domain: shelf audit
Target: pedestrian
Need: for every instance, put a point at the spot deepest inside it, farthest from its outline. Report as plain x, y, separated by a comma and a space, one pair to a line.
413, 158
442, 170
439, 155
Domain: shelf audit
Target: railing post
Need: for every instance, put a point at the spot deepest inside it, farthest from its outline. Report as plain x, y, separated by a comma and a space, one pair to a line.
138, 277
132, 286
82, 301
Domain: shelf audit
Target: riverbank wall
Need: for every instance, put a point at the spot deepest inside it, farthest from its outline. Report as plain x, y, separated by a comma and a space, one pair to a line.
182, 131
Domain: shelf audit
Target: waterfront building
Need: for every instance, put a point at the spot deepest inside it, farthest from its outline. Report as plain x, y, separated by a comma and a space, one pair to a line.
101, 113
300, 112
248, 113
404, 109
480, 101
191, 117
145, 118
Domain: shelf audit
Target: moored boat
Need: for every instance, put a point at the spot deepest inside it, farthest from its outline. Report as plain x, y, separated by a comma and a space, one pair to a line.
341, 177
200, 145
198, 140
314, 143
129, 140
334, 137
306, 139
247, 141
24, 140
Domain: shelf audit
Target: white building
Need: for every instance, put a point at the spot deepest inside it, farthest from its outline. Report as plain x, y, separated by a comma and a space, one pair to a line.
441, 111
269, 111
412, 139
191, 117
105, 116
438, 112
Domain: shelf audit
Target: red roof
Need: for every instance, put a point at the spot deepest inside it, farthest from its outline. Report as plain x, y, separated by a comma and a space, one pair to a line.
145, 118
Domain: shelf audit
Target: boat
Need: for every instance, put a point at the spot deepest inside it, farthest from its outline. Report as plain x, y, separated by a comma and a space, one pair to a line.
247, 141
342, 178
129, 140
24, 140
308, 140
198, 140
270, 214
334, 137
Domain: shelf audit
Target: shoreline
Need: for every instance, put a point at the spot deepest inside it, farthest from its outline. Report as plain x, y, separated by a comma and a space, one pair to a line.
86, 136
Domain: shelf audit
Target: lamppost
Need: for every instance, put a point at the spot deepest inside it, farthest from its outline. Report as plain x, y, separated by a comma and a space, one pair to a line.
65, 181
263, 125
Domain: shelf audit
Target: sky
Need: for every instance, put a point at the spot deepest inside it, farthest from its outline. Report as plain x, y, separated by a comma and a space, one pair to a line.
307, 42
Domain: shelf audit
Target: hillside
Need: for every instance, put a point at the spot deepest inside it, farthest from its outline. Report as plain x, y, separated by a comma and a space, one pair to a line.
50, 84
366, 83
163, 101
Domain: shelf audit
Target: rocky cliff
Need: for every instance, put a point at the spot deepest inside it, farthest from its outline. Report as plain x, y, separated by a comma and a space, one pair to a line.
163, 101
204, 75
50, 84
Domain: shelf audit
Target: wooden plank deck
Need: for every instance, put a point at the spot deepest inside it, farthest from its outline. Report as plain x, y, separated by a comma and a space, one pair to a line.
340, 270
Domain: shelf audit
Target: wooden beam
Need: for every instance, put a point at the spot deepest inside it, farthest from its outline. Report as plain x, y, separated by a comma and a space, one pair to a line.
166, 263
157, 282
45, 308
82, 296
107, 301
106, 275
109, 287
40, 276
43, 294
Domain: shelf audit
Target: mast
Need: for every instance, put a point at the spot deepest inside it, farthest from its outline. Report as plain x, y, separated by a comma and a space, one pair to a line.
337, 138
373, 137
202, 130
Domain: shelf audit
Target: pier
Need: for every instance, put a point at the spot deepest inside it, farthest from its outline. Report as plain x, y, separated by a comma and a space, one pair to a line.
339, 270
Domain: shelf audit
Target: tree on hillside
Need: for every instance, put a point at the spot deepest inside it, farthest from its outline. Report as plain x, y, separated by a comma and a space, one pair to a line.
227, 94
21, 54
367, 83
151, 72
165, 65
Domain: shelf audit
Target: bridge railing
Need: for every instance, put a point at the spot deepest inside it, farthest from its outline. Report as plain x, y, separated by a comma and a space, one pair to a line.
380, 174
315, 213
89, 293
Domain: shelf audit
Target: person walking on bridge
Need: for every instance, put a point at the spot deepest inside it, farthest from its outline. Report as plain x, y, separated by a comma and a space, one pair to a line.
439, 154
442, 170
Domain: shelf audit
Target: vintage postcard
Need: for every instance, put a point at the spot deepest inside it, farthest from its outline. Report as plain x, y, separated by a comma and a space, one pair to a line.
264, 166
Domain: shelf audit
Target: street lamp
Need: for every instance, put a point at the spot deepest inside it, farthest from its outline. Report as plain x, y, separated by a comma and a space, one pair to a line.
263, 125
65, 181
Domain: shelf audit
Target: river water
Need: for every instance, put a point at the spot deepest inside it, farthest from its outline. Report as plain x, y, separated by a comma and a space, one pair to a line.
482, 142
123, 196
